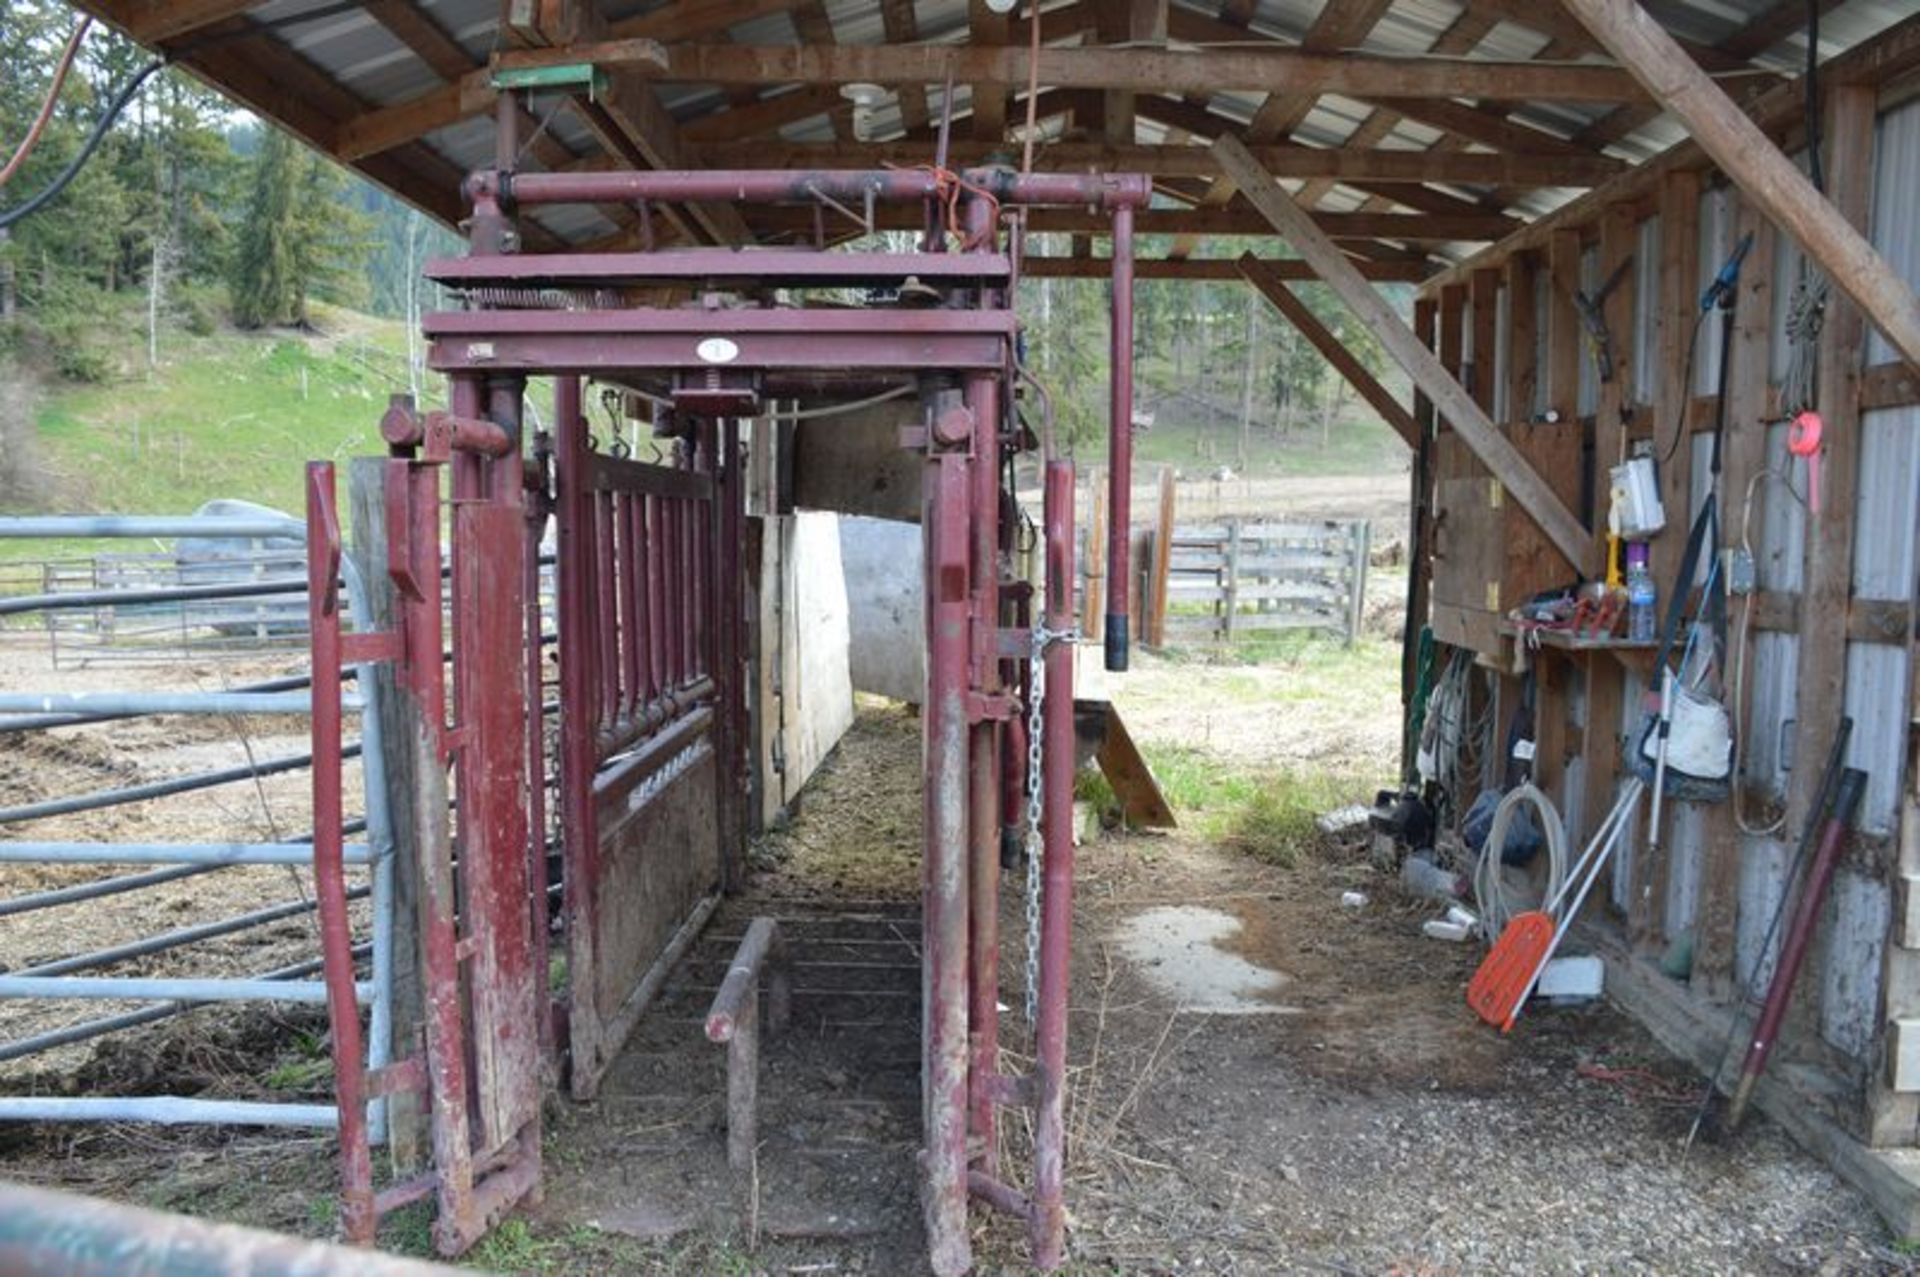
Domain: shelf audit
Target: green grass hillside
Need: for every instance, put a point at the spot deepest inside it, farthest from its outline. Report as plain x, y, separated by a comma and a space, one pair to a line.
228, 414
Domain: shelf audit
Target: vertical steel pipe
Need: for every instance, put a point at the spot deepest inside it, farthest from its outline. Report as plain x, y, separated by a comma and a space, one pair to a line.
983, 401
329, 860
944, 864
1120, 442
1056, 906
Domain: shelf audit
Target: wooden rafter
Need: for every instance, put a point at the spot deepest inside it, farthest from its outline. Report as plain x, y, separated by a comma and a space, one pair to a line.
1763, 173
1286, 161
1533, 492
902, 27
1151, 70
989, 93
1339, 26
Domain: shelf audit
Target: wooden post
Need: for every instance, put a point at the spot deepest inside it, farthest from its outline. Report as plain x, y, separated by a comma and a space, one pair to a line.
1233, 577
1522, 374
1828, 231
1677, 308
367, 508
1565, 342
1483, 289
1337, 270
1162, 556
1093, 597
1359, 538
1716, 927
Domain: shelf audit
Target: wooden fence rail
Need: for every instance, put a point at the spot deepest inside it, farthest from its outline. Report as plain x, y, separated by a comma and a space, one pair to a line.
1224, 580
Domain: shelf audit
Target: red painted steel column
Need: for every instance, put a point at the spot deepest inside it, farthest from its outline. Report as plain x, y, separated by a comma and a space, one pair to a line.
1120, 443
329, 864
983, 871
1056, 907
944, 864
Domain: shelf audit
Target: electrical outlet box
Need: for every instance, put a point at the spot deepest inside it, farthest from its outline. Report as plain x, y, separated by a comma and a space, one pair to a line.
1736, 565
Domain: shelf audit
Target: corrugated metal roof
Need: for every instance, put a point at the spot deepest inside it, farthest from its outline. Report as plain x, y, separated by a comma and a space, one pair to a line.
356, 51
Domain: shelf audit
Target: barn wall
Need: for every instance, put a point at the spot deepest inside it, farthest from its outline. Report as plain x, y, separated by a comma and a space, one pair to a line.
1714, 885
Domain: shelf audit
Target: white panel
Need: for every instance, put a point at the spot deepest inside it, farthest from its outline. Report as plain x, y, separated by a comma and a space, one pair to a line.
1889, 504
1645, 340
1763, 869
1717, 226
1502, 353
1896, 232
1770, 676
1877, 701
1856, 924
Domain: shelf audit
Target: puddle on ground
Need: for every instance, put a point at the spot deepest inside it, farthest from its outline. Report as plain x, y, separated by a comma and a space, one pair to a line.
1180, 949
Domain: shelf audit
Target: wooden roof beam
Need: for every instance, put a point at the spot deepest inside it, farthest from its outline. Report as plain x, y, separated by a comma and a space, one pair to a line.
154, 22
1149, 70
1283, 160
1208, 268
1765, 175
1533, 492
902, 27
986, 29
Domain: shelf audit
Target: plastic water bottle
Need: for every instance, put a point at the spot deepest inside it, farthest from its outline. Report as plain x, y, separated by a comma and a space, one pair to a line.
1640, 594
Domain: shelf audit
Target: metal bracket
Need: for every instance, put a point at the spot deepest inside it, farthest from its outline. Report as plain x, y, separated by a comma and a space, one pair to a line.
983, 707
565, 75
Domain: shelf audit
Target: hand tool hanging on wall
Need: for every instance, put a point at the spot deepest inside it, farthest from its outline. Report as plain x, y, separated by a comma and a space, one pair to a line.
1593, 318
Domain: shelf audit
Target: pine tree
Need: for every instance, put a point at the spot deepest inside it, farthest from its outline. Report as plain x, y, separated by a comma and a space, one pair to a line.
266, 287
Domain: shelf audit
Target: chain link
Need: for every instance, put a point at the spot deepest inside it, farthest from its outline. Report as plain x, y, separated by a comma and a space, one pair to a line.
1036, 845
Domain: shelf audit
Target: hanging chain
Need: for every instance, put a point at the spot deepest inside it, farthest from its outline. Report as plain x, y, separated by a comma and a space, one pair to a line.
1036, 845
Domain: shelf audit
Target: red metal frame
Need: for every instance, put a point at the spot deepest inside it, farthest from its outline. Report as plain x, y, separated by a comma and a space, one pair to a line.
652, 613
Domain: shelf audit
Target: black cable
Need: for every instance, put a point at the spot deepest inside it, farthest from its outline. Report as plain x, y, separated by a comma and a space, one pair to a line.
1685, 395
46, 194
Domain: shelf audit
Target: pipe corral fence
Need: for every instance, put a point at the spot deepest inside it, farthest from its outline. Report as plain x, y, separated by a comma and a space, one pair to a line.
232, 592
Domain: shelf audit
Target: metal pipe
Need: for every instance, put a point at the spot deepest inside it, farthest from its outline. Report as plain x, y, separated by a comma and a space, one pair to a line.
983, 744
103, 887
167, 1110
94, 527
44, 722
156, 703
329, 859
161, 788
181, 936
158, 989
944, 864
87, 1029
169, 853
42, 1231
1056, 908
1793, 949
766, 186
1120, 444
157, 594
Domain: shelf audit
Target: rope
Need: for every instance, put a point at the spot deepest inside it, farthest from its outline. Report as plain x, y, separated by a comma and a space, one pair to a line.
1489, 891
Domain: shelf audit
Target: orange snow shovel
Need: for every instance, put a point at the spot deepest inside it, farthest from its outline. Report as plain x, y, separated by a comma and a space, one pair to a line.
1507, 975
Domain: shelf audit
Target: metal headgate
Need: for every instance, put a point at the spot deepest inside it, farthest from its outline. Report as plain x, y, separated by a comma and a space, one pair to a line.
651, 763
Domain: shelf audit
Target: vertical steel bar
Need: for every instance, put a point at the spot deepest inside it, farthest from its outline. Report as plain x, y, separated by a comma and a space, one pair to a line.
329, 864
633, 696
1120, 443
983, 869
1056, 908
579, 838
657, 593
944, 877
606, 611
